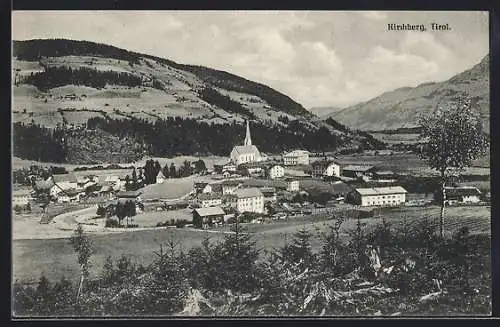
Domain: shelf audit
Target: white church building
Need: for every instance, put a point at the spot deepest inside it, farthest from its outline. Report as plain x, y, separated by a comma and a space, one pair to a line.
247, 152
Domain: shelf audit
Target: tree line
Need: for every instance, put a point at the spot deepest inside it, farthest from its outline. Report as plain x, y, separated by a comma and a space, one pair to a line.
33, 50
35, 142
28, 176
59, 76
381, 270
177, 136
213, 97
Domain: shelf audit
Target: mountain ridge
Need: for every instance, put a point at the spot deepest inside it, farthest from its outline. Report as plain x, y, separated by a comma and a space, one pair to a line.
400, 108
67, 86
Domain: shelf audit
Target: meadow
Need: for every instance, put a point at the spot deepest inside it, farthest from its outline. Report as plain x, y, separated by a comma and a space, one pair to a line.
55, 257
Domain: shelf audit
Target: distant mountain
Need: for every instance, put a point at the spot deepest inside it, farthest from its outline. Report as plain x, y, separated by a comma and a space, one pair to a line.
149, 105
324, 111
400, 108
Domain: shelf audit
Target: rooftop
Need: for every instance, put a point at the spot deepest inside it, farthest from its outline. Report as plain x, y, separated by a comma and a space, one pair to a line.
296, 153
361, 168
210, 211
323, 163
248, 193
209, 196
241, 149
381, 190
129, 194
462, 191
58, 178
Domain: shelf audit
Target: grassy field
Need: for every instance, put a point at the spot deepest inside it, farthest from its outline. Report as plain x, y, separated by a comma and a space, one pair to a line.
56, 258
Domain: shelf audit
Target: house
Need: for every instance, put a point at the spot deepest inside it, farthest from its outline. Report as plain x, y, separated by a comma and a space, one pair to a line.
228, 187
275, 171
62, 182
292, 184
226, 167
460, 194
386, 176
106, 190
202, 187
250, 200
378, 196
206, 200
230, 200
70, 97
72, 195
207, 217
247, 152
328, 168
296, 157
357, 171
160, 178
269, 194
124, 196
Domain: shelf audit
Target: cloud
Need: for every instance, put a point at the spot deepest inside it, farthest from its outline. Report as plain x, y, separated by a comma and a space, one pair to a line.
316, 58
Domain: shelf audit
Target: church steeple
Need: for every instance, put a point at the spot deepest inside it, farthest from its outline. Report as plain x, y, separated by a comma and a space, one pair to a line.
248, 139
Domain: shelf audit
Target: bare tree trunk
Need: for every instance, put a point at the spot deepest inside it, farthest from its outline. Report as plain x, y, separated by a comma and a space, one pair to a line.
80, 286
441, 216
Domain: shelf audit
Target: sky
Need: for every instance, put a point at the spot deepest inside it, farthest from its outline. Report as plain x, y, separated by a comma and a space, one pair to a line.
318, 58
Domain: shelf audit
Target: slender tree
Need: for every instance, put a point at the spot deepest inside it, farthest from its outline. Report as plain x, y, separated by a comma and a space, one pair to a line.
84, 249
453, 137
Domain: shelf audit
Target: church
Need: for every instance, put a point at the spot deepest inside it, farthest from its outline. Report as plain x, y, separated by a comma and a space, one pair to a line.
245, 153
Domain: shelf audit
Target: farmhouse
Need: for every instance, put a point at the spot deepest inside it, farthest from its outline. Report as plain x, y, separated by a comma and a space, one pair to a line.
357, 171
296, 157
207, 217
462, 194
275, 171
246, 152
322, 168
292, 184
62, 182
378, 196
250, 200
72, 195
206, 200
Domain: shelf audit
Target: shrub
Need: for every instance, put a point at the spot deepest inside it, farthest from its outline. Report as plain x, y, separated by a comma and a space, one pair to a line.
112, 223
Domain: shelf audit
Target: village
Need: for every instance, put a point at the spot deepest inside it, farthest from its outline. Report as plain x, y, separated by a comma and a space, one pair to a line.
248, 187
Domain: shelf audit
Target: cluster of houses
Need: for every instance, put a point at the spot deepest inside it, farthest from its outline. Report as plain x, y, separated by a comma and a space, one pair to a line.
216, 200
66, 188
237, 193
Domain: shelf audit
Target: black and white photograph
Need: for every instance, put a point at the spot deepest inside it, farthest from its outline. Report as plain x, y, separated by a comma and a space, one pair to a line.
190, 163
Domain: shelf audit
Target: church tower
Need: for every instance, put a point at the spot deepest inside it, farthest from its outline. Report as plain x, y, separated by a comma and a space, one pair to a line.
248, 139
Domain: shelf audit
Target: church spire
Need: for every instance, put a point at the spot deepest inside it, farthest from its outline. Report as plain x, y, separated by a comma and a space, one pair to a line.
248, 139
